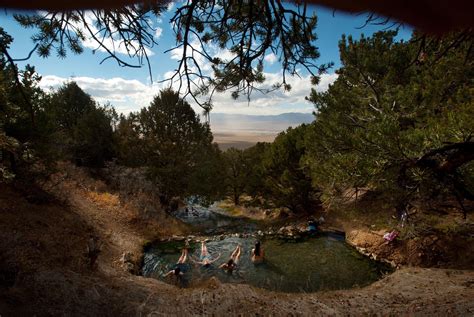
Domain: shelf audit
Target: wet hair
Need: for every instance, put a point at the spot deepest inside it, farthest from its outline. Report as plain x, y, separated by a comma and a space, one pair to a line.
257, 248
177, 271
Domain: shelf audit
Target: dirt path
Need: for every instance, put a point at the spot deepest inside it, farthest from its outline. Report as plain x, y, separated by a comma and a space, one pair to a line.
109, 225
43, 271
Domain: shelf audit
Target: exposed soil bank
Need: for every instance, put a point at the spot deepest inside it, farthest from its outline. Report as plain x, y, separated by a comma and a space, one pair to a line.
428, 239
43, 269
435, 250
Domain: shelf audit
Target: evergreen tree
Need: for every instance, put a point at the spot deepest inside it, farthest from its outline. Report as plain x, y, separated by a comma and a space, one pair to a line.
287, 180
207, 181
385, 122
174, 140
236, 172
255, 173
130, 146
21, 103
93, 138
81, 129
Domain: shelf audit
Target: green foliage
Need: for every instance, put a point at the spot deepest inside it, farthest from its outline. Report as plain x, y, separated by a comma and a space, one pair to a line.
175, 143
167, 137
398, 119
60, 32
93, 138
273, 173
249, 31
82, 129
236, 172
207, 180
389, 108
21, 102
8, 150
255, 172
68, 105
21, 99
287, 180
28, 101
66, 124
130, 146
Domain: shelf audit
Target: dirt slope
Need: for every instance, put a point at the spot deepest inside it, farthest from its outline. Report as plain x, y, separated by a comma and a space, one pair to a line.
43, 270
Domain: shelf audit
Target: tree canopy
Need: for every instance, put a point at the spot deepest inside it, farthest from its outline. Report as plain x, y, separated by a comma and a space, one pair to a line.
395, 123
398, 118
169, 139
273, 174
247, 30
287, 179
398, 121
440, 18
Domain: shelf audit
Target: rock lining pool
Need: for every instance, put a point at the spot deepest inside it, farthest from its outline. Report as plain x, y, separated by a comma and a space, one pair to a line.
323, 262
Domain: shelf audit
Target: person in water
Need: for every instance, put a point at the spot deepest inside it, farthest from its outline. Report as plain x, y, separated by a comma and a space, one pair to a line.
257, 253
205, 257
230, 265
312, 226
179, 268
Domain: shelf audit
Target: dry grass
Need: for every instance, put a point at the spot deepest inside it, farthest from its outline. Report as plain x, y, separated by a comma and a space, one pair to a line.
104, 199
368, 211
46, 243
231, 209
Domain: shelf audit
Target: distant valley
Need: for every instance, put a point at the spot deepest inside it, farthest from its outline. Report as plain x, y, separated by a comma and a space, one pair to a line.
242, 131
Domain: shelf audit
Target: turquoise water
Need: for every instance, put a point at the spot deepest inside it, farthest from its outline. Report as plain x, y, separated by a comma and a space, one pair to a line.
324, 262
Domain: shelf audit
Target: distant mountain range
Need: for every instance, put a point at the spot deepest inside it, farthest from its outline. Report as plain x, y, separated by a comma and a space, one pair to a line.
223, 122
242, 131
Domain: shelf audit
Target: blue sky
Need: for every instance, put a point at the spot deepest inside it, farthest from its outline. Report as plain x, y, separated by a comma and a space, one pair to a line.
129, 89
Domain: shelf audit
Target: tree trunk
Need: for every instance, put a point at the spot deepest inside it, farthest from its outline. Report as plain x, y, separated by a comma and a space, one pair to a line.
236, 199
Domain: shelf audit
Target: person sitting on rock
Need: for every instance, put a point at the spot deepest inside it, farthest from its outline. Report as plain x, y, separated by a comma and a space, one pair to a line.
312, 226
230, 265
205, 257
390, 236
257, 253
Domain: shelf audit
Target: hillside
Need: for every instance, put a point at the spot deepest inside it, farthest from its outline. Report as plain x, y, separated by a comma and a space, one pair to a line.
44, 270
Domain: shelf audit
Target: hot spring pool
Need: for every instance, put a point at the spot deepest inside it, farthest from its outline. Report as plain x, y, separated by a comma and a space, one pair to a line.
324, 262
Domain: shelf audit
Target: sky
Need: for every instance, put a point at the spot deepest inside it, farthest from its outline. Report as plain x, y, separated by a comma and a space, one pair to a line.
130, 89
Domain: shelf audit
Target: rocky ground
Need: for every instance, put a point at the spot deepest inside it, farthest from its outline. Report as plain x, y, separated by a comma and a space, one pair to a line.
44, 269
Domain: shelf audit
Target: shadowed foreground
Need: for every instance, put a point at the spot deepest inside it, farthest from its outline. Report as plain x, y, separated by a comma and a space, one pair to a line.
43, 270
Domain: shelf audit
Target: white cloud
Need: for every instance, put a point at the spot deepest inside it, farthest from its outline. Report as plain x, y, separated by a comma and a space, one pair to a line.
326, 80
158, 32
223, 54
126, 95
170, 6
272, 103
275, 102
270, 58
112, 44
212, 49
131, 95
176, 54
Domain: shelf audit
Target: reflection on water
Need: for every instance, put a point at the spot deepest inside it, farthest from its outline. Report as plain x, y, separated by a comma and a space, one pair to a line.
321, 263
